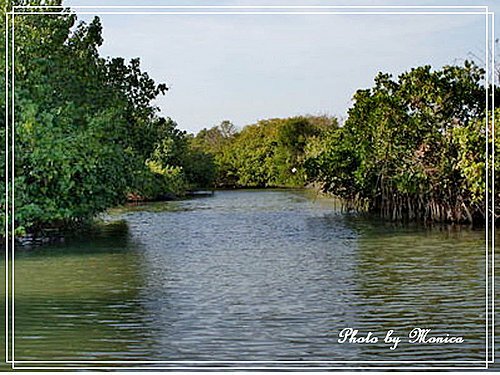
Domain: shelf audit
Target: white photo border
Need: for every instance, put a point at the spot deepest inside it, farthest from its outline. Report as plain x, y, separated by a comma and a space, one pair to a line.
226, 10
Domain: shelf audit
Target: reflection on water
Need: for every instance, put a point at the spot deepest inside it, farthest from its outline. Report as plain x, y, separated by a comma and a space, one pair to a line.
80, 299
249, 275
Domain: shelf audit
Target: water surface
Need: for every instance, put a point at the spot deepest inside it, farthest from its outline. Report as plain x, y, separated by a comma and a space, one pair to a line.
249, 275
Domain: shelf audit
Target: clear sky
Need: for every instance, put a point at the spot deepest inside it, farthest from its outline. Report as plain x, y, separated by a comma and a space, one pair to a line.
244, 68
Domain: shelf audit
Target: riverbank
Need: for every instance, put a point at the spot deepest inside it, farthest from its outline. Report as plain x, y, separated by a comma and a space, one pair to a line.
175, 203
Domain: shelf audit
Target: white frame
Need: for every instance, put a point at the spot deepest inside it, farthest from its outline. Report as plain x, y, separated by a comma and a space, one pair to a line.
223, 10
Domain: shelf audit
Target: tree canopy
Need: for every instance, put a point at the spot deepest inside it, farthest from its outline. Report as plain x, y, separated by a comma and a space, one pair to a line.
412, 147
87, 132
267, 154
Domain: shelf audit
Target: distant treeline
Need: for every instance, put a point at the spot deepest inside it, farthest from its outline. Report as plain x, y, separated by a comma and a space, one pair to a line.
271, 153
88, 136
411, 149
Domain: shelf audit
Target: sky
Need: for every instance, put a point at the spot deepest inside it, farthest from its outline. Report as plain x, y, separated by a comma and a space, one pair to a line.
244, 68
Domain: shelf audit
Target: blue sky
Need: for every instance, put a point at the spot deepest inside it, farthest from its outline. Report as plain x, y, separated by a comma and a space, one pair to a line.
244, 68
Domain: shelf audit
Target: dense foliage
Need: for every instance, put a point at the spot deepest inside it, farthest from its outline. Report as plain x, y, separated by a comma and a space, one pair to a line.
87, 132
270, 153
88, 136
411, 148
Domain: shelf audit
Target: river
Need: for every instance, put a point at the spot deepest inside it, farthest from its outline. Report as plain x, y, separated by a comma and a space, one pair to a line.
249, 275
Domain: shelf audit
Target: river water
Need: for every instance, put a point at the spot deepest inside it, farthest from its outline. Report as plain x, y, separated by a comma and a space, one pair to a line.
252, 275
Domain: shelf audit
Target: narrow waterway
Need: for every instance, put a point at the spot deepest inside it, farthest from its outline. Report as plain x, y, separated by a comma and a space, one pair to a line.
249, 275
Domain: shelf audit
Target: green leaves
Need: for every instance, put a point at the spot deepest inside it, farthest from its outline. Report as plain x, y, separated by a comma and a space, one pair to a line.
411, 147
267, 154
85, 126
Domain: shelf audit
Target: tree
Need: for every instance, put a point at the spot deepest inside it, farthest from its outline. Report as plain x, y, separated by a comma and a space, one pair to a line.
398, 153
269, 153
85, 126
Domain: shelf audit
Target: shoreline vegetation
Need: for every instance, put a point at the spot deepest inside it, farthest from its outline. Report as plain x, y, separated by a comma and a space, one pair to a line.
89, 137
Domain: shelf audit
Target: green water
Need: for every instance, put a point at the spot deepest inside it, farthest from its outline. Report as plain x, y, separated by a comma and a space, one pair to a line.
248, 276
